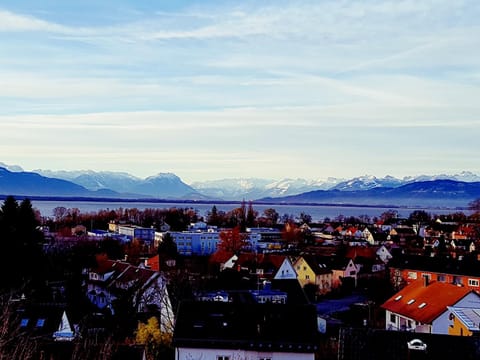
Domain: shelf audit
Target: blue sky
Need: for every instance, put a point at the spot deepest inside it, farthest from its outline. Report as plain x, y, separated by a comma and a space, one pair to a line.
223, 89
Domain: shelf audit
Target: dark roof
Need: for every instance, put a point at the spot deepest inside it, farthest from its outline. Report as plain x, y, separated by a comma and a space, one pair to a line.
319, 268
267, 327
295, 293
40, 320
436, 264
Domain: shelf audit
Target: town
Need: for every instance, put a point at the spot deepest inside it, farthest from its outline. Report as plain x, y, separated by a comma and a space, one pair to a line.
170, 284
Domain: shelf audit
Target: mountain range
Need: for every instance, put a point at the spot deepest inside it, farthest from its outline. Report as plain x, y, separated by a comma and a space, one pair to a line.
437, 190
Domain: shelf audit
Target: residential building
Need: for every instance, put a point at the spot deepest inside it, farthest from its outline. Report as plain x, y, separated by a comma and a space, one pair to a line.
423, 305
196, 242
111, 280
407, 269
344, 269
146, 235
286, 271
228, 331
310, 271
464, 321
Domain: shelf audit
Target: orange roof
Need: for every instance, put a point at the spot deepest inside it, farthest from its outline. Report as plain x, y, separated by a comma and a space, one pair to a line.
425, 303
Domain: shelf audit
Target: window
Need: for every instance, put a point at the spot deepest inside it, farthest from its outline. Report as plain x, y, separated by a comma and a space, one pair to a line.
40, 323
393, 318
307, 277
264, 358
412, 275
457, 280
24, 323
411, 301
426, 276
441, 278
473, 282
223, 357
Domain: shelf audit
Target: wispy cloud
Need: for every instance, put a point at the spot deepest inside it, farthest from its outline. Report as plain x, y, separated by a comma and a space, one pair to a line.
223, 86
11, 22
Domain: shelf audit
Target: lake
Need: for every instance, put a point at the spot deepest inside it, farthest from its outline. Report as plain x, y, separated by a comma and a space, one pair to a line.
317, 212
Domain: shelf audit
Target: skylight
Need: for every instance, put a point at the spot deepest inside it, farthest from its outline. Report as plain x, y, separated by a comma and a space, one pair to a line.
411, 301
422, 305
398, 297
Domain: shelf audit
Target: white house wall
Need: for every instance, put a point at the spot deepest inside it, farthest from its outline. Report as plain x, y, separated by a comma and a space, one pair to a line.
441, 324
212, 354
286, 271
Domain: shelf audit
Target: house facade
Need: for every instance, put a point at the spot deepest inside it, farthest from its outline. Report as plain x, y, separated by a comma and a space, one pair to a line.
137, 232
309, 271
111, 280
286, 271
423, 306
196, 242
228, 331
344, 269
406, 270
464, 321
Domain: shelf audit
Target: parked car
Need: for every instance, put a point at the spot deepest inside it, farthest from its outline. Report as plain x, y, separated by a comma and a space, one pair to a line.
416, 344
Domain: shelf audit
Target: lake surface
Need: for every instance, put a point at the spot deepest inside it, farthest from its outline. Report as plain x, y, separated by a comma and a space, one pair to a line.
317, 212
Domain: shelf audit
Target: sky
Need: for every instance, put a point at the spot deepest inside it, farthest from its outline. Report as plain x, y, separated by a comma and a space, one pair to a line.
241, 89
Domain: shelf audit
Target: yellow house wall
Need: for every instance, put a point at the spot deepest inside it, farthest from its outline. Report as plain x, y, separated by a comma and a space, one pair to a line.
304, 271
457, 328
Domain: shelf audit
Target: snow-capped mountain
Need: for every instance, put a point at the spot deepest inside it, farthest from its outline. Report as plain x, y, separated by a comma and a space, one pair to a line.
166, 185
117, 181
162, 185
368, 182
232, 189
254, 188
12, 168
432, 193
170, 186
466, 176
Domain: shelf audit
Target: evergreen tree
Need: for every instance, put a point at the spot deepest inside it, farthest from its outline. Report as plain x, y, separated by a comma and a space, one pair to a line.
20, 239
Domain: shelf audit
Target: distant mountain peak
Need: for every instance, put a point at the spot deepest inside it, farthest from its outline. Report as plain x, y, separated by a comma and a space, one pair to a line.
169, 185
164, 175
12, 168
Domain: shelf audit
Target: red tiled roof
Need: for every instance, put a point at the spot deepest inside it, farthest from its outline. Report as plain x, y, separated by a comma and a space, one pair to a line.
275, 259
133, 273
105, 266
366, 252
154, 263
220, 256
436, 296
